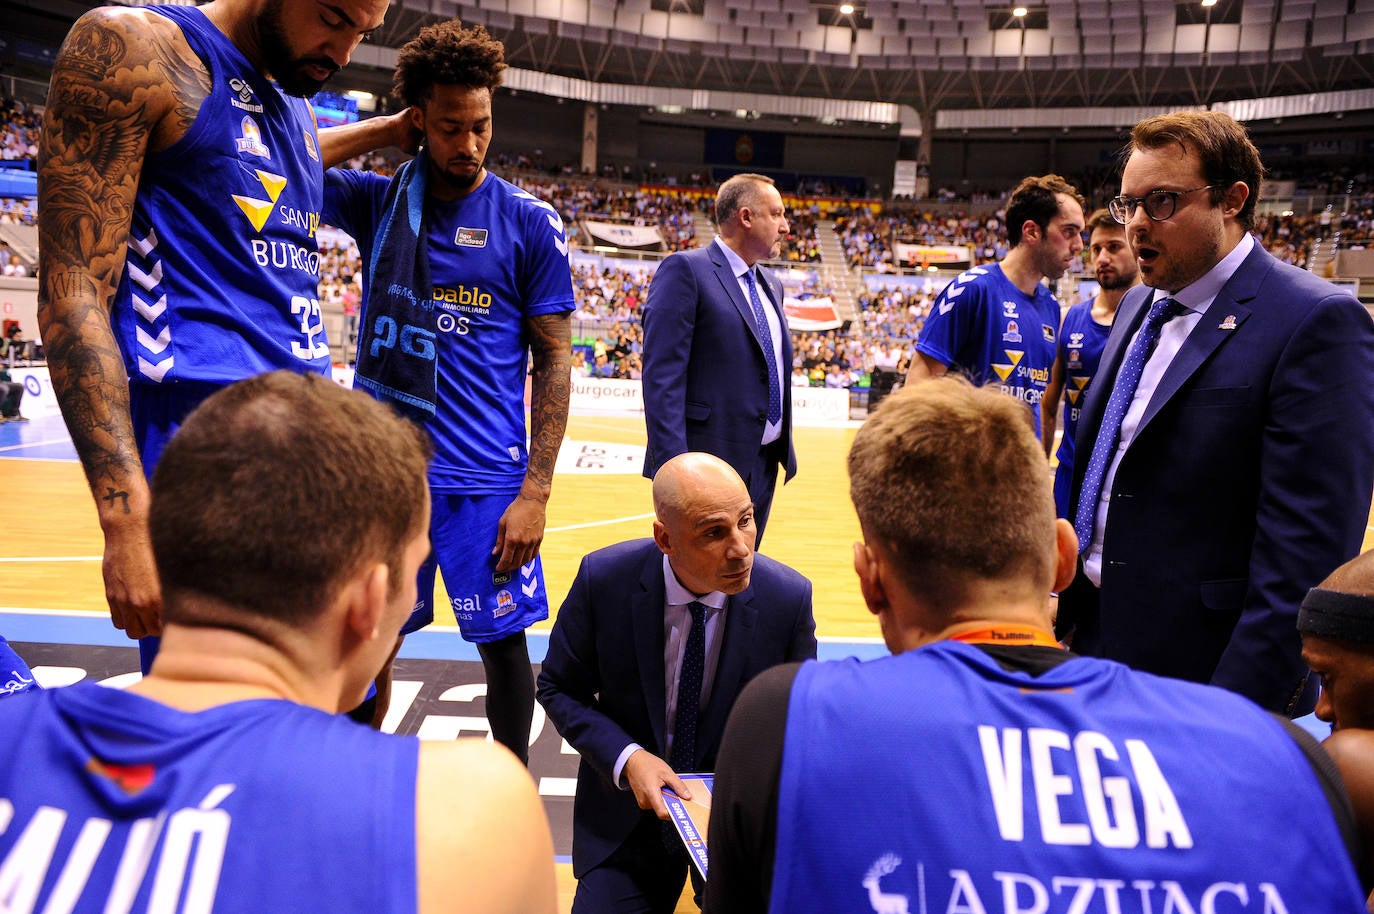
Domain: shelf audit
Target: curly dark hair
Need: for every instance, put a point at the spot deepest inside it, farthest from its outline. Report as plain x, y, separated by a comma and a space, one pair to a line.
447, 54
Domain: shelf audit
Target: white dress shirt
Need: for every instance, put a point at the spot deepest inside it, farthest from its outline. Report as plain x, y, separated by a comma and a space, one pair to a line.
677, 625
772, 431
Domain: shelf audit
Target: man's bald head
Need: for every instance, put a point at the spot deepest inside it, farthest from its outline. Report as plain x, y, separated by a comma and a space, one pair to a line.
704, 523
680, 478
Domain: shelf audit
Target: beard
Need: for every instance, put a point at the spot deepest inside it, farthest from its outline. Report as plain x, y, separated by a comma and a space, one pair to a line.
1116, 280
287, 70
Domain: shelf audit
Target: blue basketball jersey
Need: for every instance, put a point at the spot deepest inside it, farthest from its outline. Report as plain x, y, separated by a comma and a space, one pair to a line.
496, 257
1081, 341
222, 276
110, 802
986, 328
936, 780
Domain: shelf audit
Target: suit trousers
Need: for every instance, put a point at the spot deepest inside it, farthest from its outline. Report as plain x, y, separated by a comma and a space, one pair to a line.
643, 876
762, 479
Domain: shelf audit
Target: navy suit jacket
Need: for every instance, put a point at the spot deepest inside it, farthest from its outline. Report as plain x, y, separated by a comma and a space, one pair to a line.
602, 682
705, 379
1248, 481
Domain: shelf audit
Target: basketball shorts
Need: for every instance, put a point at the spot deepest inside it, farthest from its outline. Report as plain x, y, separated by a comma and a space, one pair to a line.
487, 606
157, 412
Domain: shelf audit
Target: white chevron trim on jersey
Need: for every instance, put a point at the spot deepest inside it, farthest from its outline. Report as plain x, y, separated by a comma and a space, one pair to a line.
155, 372
143, 246
146, 280
149, 312
155, 346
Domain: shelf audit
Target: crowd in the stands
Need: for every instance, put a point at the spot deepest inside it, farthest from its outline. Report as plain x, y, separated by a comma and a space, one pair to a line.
889, 317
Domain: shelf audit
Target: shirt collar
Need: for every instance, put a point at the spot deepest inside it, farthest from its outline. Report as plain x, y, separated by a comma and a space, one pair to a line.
677, 595
737, 264
1198, 296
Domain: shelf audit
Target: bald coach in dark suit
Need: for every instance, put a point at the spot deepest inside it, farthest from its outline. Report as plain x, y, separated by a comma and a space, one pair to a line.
618, 679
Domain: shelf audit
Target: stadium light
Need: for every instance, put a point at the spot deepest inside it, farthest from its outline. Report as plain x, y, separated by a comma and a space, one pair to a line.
847, 9
1020, 12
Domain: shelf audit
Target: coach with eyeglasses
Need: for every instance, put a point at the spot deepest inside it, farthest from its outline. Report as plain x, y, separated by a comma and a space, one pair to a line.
1227, 445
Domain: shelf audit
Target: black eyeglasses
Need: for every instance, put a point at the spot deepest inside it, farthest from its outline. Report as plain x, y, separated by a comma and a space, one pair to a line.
1159, 204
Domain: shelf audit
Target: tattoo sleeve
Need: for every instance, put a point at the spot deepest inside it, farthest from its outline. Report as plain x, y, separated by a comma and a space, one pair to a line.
117, 83
550, 389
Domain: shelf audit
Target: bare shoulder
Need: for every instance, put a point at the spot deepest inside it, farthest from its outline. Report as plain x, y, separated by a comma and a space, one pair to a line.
1352, 751
482, 837
127, 64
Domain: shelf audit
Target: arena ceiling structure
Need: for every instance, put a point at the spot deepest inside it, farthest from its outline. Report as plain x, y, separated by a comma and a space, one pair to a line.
944, 63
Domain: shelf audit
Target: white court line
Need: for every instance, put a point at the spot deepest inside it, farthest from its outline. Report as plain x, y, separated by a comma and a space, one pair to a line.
600, 523
21, 446
12, 559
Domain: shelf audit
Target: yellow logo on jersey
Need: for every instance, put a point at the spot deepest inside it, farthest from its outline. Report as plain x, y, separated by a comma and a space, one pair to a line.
1079, 383
257, 210
1004, 371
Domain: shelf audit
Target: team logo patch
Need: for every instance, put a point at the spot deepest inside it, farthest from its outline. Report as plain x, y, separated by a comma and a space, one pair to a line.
505, 604
251, 141
471, 238
1013, 334
1047, 331
500, 577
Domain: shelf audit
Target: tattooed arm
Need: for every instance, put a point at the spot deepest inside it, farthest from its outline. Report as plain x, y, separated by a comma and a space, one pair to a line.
124, 81
521, 530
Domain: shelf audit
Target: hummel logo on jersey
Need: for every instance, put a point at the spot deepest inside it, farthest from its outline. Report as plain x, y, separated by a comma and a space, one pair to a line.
1009, 309
245, 98
470, 238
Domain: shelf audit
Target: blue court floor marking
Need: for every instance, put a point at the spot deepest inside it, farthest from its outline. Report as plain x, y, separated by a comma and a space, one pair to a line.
42, 438
436, 643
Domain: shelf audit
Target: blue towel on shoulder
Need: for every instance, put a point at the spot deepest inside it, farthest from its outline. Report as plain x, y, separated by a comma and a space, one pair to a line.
396, 345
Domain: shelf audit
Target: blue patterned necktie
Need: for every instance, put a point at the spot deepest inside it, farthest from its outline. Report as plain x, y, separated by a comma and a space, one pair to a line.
771, 357
1109, 432
683, 755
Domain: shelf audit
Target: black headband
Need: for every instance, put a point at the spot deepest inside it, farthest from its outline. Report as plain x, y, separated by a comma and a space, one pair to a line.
1336, 615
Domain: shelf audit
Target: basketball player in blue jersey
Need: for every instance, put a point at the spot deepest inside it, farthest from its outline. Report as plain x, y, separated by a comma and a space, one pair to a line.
225, 780
996, 324
180, 186
1081, 339
983, 767
486, 285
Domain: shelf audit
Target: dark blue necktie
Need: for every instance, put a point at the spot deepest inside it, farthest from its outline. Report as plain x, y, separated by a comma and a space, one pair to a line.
1109, 432
683, 755
771, 357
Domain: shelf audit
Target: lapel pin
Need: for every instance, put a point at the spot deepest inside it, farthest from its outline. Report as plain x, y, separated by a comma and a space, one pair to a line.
1228, 324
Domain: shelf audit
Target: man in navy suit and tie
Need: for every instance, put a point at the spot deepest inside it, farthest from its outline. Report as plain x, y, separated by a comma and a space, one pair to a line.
717, 353
1226, 450
656, 639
